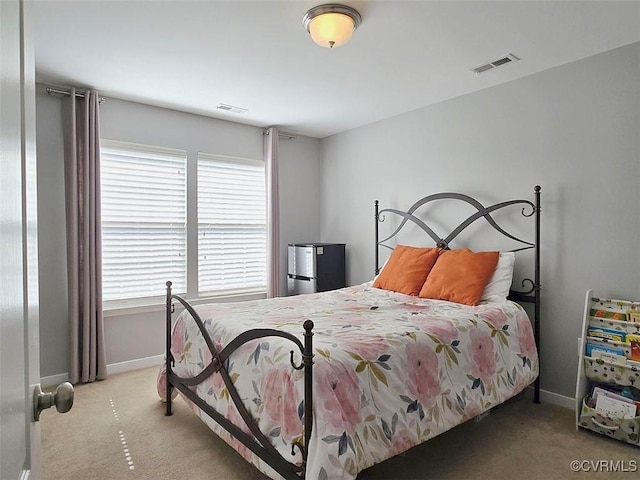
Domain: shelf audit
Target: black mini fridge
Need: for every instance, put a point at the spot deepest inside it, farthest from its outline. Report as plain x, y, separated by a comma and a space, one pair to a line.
315, 267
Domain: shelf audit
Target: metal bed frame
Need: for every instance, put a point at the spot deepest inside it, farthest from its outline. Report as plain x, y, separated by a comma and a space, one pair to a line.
259, 444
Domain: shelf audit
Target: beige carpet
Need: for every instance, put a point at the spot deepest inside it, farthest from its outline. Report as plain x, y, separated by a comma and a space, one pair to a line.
117, 430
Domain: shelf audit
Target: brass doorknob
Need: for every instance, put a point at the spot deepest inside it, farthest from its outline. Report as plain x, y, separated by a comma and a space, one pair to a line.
62, 399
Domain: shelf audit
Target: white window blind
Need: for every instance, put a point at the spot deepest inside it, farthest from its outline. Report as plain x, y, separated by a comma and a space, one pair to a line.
232, 241
143, 220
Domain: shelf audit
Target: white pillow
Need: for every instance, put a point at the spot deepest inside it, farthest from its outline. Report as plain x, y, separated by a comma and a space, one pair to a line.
497, 290
380, 271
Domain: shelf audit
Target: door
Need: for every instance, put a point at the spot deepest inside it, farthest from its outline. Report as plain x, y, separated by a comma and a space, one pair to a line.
19, 343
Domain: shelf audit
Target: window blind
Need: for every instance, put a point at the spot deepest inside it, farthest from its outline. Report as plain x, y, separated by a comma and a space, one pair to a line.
143, 220
232, 239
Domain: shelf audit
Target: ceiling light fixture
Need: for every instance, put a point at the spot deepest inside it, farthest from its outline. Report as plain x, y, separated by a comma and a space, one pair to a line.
332, 24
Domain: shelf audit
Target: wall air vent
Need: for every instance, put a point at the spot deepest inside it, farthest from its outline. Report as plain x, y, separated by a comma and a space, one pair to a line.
230, 108
495, 64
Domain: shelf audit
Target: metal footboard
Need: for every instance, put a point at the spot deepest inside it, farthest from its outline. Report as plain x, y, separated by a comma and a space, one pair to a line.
259, 443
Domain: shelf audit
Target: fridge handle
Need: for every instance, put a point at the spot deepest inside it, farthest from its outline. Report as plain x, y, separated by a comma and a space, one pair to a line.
299, 277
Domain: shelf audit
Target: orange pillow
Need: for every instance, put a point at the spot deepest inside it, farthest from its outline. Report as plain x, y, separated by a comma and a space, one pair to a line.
407, 269
460, 276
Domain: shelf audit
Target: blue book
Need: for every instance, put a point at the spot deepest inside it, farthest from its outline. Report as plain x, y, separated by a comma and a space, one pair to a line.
608, 333
602, 348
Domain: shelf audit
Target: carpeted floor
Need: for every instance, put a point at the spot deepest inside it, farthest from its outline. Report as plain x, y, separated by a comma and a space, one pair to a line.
117, 430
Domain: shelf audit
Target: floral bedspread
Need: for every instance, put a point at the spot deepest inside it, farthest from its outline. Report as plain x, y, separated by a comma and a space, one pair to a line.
390, 371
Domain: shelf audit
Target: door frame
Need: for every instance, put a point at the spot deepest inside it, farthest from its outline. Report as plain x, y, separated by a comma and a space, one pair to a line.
30, 234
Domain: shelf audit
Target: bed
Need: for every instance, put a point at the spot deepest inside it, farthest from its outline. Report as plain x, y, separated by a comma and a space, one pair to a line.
325, 385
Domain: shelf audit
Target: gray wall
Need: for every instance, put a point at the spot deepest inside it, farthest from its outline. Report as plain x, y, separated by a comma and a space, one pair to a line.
135, 336
52, 267
573, 130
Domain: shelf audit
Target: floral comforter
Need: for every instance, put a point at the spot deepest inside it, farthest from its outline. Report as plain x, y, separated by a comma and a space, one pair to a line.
390, 371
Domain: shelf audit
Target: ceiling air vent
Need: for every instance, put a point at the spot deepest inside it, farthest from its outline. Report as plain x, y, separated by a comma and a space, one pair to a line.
496, 63
230, 108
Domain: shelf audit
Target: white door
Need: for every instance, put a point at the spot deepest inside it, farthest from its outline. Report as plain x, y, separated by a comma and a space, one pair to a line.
19, 343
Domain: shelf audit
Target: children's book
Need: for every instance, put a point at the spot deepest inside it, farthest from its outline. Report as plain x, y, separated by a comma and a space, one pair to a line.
614, 408
613, 315
634, 342
591, 347
633, 316
608, 333
597, 391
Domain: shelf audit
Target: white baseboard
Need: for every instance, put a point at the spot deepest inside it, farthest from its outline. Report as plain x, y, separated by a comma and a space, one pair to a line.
137, 364
53, 380
112, 368
555, 399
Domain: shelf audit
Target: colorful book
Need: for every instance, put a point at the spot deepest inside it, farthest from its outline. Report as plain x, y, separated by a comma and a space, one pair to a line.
614, 408
634, 342
633, 316
608, 393
609, 314
591, 347
608, 333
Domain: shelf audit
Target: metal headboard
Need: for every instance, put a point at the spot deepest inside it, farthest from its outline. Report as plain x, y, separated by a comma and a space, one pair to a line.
532, 295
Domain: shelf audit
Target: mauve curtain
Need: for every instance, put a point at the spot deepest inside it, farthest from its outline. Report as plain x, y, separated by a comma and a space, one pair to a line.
273, 212
84, 241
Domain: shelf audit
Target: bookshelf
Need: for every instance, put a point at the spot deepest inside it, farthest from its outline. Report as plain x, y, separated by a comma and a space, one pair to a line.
608, 383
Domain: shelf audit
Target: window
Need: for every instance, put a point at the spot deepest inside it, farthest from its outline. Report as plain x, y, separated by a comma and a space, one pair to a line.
148, 203
143, 220
232, 229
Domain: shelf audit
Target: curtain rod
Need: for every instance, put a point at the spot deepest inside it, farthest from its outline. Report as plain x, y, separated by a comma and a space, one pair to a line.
290, 136
64, 92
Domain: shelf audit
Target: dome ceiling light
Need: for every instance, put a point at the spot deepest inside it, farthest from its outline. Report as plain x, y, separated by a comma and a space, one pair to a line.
332, 24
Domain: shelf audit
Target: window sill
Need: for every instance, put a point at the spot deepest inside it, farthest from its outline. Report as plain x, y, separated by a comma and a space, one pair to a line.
135, 307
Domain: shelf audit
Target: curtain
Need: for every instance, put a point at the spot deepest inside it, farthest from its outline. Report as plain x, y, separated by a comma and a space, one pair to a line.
84, 242
273, 212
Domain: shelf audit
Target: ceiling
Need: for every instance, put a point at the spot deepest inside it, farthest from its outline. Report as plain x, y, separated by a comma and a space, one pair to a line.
193, 55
